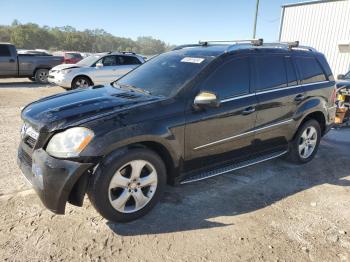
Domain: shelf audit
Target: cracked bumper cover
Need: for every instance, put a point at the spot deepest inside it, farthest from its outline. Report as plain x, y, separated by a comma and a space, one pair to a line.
53, 179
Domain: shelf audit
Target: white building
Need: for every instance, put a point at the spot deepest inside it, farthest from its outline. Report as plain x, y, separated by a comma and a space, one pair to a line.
324, 25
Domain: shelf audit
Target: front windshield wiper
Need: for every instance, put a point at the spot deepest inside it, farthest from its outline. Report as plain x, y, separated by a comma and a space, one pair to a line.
133, 88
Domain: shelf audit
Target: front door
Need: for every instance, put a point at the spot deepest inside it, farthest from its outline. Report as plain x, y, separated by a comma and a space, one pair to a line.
216, 134
106, 73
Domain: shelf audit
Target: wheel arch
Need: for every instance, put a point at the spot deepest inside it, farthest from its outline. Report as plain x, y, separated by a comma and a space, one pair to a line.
40, 67
315, 115
163, 153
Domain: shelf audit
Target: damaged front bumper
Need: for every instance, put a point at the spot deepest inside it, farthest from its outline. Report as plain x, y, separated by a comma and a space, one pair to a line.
53, 179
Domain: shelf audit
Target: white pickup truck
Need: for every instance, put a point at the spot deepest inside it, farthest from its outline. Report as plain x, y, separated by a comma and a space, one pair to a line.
35, 67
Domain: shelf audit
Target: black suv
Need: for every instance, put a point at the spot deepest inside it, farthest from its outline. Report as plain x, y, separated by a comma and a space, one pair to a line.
189, 114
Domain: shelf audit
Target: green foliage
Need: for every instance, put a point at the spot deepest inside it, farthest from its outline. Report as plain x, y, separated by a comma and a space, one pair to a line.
32, 36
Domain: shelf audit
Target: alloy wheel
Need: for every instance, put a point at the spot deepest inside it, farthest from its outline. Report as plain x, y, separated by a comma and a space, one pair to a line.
82, 83
307, 142
133, 186
43, 76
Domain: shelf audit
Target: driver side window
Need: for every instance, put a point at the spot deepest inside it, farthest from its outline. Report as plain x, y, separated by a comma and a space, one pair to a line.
229, 79
108, 60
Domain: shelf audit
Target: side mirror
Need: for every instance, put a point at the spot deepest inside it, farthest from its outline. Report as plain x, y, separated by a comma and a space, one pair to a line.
341, 77
206, 99
99, 65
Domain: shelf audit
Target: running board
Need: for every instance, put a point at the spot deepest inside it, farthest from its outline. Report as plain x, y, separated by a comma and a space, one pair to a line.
232, 167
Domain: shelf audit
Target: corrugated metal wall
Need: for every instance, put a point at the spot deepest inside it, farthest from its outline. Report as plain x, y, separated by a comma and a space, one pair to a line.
320, 25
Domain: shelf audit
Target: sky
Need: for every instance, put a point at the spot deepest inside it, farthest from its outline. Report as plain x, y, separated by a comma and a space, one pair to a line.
172, 21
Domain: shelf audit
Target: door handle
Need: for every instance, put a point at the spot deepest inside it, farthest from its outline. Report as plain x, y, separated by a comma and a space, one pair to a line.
299, 97
12, 60
248, 110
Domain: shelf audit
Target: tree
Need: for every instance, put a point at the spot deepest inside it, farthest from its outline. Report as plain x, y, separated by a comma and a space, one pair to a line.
150, 46
32, 36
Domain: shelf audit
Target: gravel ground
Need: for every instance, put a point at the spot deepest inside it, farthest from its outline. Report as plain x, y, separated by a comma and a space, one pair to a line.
274, 211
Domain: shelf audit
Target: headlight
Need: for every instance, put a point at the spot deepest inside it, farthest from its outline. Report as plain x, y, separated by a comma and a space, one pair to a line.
66, 71
70, 142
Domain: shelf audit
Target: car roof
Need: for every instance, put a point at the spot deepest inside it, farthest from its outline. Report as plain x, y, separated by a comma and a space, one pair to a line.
216, 50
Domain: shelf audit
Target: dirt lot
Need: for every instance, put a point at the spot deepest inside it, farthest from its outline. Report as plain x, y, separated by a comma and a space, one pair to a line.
273, 211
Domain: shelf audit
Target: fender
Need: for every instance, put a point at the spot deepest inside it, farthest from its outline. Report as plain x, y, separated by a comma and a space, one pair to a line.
171, 148
170, 139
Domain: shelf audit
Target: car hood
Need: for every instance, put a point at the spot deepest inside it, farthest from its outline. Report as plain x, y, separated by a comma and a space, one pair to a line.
65, 66
82, 105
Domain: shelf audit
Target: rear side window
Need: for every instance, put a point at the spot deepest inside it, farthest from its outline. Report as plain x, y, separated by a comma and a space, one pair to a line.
270, 72
230, 79
311, 70
4, 50
129, 60
291, 74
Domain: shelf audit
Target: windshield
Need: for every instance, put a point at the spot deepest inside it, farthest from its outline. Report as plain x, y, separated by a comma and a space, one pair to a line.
88, 61
165, 74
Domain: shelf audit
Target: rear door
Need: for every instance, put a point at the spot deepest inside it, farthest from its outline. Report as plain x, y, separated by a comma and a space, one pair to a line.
8, 61
215, 134
278, 93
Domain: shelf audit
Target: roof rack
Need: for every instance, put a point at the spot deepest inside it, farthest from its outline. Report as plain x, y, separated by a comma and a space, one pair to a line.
254, 42
291, 45
128, 52
236, 44
185, 46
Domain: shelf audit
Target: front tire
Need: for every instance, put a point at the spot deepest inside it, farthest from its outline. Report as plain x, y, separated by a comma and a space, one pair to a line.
81, 82
127, 184
305, 144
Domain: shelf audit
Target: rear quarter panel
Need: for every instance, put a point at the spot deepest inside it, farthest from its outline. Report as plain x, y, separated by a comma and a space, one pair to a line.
318, 98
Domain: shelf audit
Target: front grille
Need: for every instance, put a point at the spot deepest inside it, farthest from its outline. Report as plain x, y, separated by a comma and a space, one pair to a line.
30, 141
24, 157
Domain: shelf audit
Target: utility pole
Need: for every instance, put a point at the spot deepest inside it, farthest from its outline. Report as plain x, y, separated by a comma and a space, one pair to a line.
256, 18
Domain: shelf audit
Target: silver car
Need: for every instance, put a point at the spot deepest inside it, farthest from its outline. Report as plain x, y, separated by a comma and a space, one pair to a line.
94, 70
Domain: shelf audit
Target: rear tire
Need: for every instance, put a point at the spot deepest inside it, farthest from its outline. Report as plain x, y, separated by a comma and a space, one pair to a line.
41, 76
305, 144
127, 184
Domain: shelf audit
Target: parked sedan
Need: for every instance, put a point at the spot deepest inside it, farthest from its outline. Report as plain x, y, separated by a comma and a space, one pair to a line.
94, 70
